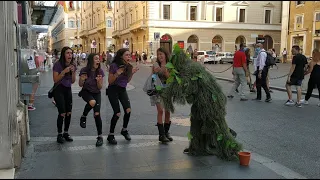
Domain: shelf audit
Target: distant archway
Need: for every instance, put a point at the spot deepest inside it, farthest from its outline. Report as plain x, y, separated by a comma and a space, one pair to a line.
240, 39
268, 42
166, 42
217, 43
192, 43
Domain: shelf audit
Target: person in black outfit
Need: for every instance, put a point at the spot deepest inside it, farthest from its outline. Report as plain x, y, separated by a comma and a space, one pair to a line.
296, 75
64, 76
314, 80
120, 74
91, 81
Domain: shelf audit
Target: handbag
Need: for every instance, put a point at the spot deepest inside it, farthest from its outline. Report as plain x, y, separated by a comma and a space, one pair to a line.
50, 93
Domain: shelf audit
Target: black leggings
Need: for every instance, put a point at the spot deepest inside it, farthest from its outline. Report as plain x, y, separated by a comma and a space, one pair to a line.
87, 97
262, 82
313, 82
116, 94
63, 98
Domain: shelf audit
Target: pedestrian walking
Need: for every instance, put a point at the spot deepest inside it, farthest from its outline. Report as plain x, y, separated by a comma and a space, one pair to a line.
159, 68
120, 74
249, 80
284, 55
64, 76
262, 73
91, 81
314, 80
240, 72
296, 75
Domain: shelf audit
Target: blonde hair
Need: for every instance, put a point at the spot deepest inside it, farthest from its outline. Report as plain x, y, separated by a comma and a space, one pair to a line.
316, 55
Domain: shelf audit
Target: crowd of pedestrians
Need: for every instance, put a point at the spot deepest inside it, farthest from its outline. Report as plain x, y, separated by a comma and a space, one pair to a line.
299, 68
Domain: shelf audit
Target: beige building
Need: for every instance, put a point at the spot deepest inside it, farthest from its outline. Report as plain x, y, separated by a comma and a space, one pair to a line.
202, 25
96, 26
302, 26
64, 27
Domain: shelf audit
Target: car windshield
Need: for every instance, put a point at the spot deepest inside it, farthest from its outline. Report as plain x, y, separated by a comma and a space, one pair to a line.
200, 53
211, 52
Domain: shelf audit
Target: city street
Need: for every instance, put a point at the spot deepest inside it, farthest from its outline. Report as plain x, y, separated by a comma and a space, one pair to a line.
283, 140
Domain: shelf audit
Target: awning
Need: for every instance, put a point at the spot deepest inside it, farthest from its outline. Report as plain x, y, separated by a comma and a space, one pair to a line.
42, 14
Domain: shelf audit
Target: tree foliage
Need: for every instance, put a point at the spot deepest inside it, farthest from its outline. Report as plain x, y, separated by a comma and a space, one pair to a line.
190, 83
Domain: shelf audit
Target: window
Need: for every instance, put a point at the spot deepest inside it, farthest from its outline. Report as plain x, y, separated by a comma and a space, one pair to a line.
242, 15
299, 20
317, 17
123, 25
267, 17
136, 15
131, 19
144, 12
218, 14
71, 24
193, 13
299, 2
166, 12
78, 24
109, 23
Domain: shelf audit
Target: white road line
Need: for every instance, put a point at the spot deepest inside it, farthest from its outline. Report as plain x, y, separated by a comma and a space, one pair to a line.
269, 163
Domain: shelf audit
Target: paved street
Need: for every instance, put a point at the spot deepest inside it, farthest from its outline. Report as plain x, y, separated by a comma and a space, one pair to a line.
283, 140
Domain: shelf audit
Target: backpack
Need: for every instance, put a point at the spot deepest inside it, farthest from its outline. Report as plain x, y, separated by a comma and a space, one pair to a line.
270, 61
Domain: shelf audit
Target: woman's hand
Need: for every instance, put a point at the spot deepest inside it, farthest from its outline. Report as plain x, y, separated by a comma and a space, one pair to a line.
83, 77
120, 71
99, 79
134, 70
66, 70
157, 69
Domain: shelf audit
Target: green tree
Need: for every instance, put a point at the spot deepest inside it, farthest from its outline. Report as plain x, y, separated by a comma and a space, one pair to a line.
190, 83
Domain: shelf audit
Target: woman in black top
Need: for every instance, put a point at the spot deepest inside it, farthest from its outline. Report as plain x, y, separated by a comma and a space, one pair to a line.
314, 80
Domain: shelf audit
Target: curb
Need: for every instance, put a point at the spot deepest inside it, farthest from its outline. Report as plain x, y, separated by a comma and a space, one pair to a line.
271, 87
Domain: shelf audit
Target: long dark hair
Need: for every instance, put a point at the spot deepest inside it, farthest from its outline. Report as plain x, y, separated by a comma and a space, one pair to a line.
166, 53
247, 52
90, 64
118, 60
62, 59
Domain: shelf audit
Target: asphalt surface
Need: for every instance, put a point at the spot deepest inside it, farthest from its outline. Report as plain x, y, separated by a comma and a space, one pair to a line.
287, 135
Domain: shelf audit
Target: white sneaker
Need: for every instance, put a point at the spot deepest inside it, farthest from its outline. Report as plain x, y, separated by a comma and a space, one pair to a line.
290, 103
303, 101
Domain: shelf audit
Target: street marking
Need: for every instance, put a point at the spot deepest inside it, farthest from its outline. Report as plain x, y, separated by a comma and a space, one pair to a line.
269, 163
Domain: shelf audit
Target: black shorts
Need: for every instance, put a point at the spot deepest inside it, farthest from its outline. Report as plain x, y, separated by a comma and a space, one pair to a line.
88, 96
295, 82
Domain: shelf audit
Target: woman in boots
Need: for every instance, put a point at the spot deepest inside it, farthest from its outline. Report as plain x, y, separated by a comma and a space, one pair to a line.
91, 81
120, 74
159, 68
64, 75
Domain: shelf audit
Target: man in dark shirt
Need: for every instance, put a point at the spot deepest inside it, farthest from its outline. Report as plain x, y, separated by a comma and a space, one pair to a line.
296, 75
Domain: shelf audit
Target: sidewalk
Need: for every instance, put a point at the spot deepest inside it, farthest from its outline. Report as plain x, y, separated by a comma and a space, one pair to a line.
143, 157
276, 83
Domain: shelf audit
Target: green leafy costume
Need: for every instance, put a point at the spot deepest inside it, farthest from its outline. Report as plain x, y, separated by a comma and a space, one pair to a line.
190, 83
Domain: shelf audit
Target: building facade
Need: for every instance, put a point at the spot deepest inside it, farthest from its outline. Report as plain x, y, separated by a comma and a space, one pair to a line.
63, 29
202, 25
304, 26
96, 26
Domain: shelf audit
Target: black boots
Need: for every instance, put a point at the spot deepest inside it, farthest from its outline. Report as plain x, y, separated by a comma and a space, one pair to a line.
166, 130
162, 136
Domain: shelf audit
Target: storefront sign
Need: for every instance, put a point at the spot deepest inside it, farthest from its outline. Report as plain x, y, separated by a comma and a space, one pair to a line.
181, 44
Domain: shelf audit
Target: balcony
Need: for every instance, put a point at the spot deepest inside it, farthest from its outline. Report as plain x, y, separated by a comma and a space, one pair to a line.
83, 33
138, 25
102, 26
116, 34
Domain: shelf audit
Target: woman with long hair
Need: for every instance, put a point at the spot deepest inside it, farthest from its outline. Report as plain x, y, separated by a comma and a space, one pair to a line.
314, 80
64, 75
120, 74
247, 52
91, 81
159, 68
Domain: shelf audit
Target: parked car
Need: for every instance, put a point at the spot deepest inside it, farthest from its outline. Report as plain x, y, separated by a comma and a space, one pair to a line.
225, 57
208, 56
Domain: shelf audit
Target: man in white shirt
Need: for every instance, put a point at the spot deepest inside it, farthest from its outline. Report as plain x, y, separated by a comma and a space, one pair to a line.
261, 74
83, 56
